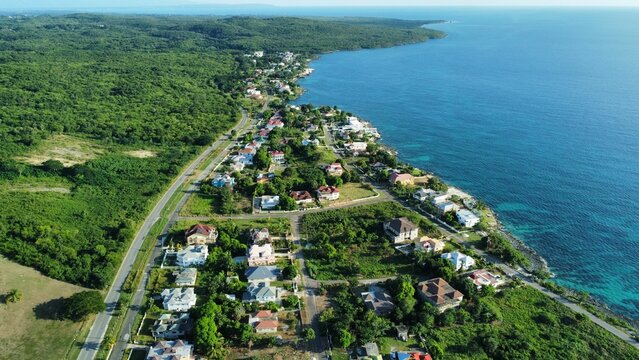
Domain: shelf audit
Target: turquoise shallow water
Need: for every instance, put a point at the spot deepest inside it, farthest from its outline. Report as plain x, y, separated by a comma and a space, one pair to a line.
535, 111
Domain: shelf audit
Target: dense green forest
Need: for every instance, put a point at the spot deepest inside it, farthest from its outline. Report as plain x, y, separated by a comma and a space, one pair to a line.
90, 90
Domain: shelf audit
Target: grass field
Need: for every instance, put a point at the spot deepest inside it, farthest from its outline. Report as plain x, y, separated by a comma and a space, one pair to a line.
198, 205
68, 150
22, 334
353, 191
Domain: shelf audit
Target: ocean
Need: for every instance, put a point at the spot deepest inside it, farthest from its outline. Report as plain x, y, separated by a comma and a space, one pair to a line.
535, 111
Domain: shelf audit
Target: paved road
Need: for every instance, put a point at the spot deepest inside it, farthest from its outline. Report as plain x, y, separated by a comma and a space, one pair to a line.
136, 304
99, 327
311, 287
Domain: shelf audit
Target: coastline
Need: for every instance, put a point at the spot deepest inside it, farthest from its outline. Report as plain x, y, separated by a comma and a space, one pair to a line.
538, 268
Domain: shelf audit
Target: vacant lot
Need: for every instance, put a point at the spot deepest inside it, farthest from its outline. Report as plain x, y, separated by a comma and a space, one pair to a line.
22, 334
68, 150
354, 191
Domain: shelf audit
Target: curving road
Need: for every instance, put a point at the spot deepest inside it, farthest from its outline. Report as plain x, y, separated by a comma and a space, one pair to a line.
99, 327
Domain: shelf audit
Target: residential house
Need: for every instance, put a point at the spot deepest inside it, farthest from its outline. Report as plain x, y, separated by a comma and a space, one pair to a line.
264, 322
403, 179
439, 293
274, 122
200, 234
266, 327
262, 274
222, 180
178, 299
307, 142
170, 350
357, 147
263, 133
410, 355
467, 218
353, 124
260, 235
171, 326
328, 193
264, 178
185, 277
459, 260
334, 169
439, 197
261, 315
260, 255
269, 202
447, 206
378, 300
312, 128
248, 152
483, 278
262, 293
244, 159
402, 332
192, 255
253, 145
277, 157
429, 245
370, 351
301, 197
423, 194
401, 230
237, 166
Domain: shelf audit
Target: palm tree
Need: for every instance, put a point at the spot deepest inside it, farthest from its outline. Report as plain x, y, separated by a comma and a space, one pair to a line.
13, 296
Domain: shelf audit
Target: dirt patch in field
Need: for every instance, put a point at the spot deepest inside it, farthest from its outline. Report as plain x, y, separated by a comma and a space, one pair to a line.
68, 150
141, 154
27, 188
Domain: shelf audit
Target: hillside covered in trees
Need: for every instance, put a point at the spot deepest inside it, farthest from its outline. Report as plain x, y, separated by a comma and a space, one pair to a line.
96, 90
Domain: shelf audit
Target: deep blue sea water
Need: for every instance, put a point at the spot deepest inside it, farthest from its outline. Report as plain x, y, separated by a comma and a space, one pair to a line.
536, 111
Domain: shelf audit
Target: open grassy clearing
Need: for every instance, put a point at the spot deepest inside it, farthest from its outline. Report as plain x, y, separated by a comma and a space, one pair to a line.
69, 150
40, 184
141, 154
354, 191
26, 333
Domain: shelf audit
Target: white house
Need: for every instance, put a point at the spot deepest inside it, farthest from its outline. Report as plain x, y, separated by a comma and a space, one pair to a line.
260, 255
334, 169
178, 299
170, 350
192, 255
328, 193
467, 218
262, 293
186, 277
423, 194
170, 326
277, 157
268, 202
244, 159
447, 206
357, 147
459, 260
438, 197
401, 229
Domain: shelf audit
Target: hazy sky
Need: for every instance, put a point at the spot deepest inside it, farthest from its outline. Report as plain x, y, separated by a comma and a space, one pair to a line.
151, 3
